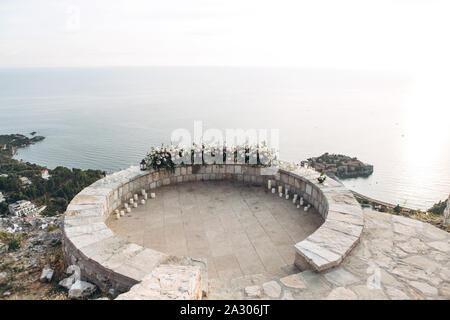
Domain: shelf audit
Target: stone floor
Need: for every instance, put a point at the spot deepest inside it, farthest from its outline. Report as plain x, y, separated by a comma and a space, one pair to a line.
397, 258
247, 235
243, 231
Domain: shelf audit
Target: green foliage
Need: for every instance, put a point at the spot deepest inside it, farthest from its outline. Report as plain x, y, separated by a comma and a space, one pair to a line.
13, 241
397, 209
438, 208
52, 228
322, 178
14, 244
160, 158
55, 193
3, 207
4, 236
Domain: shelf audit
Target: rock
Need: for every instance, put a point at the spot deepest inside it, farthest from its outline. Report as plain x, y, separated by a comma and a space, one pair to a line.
4, 249
81, 289
424, 288
67, 282
287, 296
47, 275
168, 282
365, 293
112, 293
75, 273
341, 277
3, 277
396, 294
32, 263
253, 291
413, 245
341, 293
50, 238
315, 283
440, 245
445, 291
404, 229
423, 263
293, 281
272, 289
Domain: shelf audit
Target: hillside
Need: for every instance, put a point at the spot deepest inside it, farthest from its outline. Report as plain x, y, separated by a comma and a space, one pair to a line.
54, 193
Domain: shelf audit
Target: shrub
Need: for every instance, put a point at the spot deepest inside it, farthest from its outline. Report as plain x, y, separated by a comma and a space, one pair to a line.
438, 208
52, 228
13, 244
12, 241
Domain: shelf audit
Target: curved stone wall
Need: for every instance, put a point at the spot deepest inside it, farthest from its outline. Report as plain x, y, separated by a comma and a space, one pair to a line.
111, 262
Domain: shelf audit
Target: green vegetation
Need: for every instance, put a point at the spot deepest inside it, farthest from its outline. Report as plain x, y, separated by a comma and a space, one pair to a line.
438, 208
13, 241
55, 193
434, 218
13, 245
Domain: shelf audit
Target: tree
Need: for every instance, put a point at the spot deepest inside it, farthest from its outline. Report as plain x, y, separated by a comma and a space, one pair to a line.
438, 208
397, 209
3, 207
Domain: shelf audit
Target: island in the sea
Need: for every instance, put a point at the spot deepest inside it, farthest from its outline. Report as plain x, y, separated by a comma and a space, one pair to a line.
340, 166
10, 143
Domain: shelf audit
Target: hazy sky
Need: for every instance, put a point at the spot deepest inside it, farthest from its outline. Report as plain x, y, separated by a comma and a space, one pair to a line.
355, 34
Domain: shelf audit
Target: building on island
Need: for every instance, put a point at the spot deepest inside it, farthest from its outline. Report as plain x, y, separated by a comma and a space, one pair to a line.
23, 208
338, 165
25, 181
45, 175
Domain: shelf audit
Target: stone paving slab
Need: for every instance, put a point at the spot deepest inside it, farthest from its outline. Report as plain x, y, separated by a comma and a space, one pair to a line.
228, 223
168, 282
365, 275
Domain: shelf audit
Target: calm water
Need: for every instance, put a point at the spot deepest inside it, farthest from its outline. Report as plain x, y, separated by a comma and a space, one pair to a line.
107, 118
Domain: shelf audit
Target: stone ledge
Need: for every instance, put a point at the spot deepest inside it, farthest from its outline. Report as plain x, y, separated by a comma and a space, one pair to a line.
168, 282
344, 221
108, 259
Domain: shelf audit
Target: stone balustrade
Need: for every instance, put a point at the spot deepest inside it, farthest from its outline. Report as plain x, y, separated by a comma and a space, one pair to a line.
111, 262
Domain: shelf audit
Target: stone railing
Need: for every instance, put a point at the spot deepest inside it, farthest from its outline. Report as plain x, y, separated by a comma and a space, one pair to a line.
343, 216
111, 262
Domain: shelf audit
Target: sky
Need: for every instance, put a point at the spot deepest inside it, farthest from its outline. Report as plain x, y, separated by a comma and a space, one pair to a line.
344, 34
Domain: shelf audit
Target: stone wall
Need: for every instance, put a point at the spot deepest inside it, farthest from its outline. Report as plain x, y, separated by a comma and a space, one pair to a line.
110, 262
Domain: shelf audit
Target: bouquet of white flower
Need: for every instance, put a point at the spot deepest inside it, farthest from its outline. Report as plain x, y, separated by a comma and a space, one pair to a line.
171, 156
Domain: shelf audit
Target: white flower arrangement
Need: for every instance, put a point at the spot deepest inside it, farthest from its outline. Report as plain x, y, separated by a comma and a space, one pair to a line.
170, 156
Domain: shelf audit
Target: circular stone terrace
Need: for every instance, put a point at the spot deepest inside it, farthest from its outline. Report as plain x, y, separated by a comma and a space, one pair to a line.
241, 230
216, 231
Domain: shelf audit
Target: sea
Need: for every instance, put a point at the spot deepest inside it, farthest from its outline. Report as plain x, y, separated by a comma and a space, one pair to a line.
108, 118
